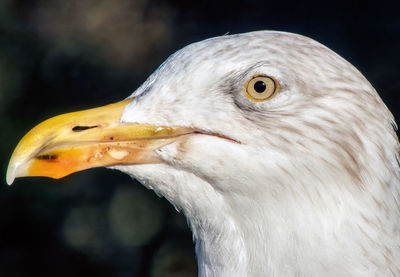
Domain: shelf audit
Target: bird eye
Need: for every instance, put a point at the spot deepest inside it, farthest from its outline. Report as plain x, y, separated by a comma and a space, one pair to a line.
261, 88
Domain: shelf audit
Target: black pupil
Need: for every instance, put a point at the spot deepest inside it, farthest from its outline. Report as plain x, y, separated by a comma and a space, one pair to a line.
260, 86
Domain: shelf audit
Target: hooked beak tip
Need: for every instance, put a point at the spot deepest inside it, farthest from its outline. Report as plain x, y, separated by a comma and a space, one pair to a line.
10, 175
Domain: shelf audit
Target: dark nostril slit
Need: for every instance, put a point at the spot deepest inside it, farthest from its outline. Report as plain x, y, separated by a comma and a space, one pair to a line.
83, 128
47, 157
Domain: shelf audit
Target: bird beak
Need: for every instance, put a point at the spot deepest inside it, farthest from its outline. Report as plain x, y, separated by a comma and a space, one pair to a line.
85, 139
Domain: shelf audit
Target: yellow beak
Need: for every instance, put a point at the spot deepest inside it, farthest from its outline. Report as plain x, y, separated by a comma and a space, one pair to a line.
91, 138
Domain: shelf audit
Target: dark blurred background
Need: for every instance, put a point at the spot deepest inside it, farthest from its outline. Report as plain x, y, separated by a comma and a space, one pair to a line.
58, 56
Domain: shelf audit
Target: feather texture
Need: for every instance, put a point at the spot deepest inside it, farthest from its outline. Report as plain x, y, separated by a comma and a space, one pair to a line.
312, 187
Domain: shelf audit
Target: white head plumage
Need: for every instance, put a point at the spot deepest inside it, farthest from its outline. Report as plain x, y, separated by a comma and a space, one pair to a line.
312, 189
305, 183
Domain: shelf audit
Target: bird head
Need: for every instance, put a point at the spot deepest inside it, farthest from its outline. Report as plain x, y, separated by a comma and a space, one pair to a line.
270, 118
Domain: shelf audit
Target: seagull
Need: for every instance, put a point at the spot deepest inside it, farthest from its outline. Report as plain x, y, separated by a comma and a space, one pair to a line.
281, 155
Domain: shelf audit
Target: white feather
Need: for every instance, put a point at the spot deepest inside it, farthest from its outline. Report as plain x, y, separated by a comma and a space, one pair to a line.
312, 189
